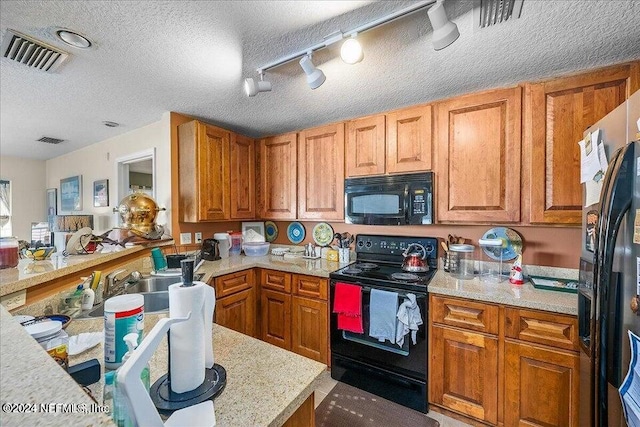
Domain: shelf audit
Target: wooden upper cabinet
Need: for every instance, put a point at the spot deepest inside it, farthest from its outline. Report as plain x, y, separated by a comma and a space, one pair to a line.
366, 146
243, 177
409, 134
277, 166
478, 157
321, 173
557, 112
204, 172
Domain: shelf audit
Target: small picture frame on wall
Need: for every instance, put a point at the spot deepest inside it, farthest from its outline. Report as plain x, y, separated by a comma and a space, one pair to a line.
101, 193
253, 231
71, 193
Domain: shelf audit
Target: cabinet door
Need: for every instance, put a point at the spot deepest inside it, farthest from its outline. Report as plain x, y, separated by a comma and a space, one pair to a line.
238, 312
276, 318
478, 157
310, 322
541, 386
277, 164
409, 135
557, 114
204, 172
243, 177
321, 173
464, 372
234, 282
310, 286
276, 280
365, 154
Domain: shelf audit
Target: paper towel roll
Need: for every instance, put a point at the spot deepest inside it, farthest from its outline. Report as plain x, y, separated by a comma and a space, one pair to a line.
187, 347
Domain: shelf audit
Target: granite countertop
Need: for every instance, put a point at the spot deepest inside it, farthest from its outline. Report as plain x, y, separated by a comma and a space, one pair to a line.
262, 390
525, 295
311, 267
30, 273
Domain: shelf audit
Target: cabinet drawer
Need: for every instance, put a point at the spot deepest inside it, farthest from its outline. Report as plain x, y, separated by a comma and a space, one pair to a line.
551, 329
232, 283
277, 280
310, 286
472, 315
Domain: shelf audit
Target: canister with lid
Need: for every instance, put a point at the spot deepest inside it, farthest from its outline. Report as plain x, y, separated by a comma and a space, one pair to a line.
491, 260
53, 339
461, 262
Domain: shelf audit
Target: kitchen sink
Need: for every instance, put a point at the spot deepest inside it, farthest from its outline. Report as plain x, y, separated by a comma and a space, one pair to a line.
153, 302
151, 284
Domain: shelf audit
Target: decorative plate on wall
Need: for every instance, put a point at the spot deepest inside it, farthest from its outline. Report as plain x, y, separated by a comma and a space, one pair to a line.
271, 231
322, 234
295, 232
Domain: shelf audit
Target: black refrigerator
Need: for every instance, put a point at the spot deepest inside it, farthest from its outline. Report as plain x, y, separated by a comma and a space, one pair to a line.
610, 268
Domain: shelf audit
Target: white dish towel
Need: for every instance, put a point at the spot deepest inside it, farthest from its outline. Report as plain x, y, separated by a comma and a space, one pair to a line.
383, 306
409, 319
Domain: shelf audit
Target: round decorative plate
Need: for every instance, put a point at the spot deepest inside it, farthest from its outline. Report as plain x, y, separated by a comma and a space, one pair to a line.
271, 231
322, 234
295, 232
511, 247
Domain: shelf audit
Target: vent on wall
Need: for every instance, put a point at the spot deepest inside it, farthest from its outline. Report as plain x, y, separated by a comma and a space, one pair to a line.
496, 11
33, 53
50, 140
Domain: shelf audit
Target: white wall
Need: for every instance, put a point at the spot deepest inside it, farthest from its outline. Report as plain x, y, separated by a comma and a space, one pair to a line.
98, 161
28, 193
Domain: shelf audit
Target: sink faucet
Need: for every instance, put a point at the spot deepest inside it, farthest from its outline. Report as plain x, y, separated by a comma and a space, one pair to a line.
116, 286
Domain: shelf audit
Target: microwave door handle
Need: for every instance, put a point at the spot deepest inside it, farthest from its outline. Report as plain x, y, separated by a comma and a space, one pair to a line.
407, 204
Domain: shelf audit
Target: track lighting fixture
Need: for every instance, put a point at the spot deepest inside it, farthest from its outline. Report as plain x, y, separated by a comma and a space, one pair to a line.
445, 32
315, 76
351, 51
252, 87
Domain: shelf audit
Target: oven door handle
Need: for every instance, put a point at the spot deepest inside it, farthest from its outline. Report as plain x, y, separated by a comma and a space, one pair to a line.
368, 289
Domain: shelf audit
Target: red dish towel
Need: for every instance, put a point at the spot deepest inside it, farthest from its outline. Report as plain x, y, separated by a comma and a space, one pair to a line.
348, 305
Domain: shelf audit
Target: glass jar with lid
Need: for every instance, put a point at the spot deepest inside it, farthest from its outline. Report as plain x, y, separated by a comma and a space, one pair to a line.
461, 262
9, 255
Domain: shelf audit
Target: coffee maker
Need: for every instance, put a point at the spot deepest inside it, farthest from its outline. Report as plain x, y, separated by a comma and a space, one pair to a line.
210, 250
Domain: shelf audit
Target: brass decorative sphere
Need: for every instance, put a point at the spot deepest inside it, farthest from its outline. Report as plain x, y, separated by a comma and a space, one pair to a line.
138, 212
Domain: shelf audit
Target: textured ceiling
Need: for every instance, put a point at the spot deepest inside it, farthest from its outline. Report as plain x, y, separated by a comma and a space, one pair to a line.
191, 57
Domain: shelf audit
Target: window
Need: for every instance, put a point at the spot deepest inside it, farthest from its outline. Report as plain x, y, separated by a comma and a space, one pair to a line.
5, 208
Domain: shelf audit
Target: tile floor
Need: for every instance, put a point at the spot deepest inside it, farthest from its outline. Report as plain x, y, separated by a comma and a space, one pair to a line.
327, 383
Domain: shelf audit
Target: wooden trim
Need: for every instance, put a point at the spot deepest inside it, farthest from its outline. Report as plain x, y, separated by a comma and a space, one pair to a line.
304, 416
456, 416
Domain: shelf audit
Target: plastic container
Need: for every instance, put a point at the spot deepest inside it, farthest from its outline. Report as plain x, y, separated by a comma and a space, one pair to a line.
123, 315
108, 393
236, 243
461, 262
53, 339
159, 260
9, 252
224, 243
491, 266
256, 248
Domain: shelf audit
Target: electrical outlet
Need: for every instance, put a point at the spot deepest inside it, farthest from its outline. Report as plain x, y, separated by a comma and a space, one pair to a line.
198, 237
14, 300
185, 238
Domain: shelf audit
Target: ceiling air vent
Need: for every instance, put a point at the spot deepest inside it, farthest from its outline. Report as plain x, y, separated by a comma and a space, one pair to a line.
26, 50
50, 140
496, 11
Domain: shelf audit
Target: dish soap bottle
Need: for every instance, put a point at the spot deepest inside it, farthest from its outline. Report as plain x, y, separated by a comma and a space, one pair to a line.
122, 416
132, 343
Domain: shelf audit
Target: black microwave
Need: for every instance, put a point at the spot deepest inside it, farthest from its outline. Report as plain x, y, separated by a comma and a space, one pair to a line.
389, 200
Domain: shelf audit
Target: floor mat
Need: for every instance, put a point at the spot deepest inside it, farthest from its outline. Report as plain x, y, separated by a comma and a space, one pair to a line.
347, 406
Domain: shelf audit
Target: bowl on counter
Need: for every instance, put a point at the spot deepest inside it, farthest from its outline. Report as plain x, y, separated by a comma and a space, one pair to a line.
256, 248
39, 254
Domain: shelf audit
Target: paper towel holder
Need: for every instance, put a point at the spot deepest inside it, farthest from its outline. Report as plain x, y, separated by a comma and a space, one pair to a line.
167, 401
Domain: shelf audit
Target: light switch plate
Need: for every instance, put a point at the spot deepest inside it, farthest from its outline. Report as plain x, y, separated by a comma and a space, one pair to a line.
185, 238
198, 237
14, 300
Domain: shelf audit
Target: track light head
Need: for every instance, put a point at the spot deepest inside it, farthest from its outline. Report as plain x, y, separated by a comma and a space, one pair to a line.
315, 76
253, 87
445, 32
351, 51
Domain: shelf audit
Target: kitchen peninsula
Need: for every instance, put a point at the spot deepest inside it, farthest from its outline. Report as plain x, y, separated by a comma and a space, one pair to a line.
264, 389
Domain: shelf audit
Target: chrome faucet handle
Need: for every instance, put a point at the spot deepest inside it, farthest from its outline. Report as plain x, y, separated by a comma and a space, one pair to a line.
107, 292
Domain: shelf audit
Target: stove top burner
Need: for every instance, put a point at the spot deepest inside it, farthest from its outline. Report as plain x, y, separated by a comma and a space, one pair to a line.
407, 277
366, 266
352, 270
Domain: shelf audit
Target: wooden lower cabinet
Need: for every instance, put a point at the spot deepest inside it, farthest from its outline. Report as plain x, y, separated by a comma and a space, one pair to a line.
309, 333
464, 372
541, 386
276, 318
238, 312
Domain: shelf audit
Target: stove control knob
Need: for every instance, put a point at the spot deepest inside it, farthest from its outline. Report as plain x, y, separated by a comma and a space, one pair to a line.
429, 248
360, 243
368, 244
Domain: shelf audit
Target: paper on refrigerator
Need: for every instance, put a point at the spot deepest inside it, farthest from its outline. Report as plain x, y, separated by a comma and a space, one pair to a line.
630, 388
590, 166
